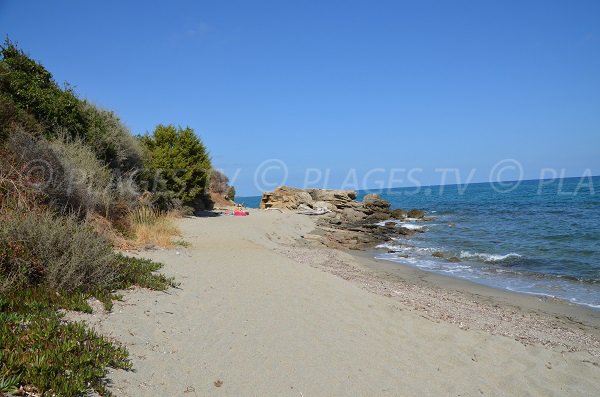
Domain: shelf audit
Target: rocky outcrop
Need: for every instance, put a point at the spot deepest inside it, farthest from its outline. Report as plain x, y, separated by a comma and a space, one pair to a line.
417, 214
285, 197
398, 214
350, 224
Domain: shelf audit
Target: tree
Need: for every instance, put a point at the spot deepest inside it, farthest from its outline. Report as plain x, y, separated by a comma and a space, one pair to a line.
219, 183
179, 166
231, 193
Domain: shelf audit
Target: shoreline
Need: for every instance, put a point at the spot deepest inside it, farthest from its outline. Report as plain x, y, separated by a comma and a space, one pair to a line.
531, 301
522, 300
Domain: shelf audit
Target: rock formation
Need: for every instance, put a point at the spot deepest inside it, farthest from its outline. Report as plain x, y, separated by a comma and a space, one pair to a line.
350, 224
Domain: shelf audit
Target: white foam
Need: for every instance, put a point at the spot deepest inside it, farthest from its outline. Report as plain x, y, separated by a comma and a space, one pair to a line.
389, 246
488, 257
406, 225
578, 302
410, 226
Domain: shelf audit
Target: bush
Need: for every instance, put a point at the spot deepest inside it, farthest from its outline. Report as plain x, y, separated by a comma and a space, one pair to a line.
178, 166
111, 140
31, 87
57, 252
45, 174
12, 118
29, 95
231, 194
89, 179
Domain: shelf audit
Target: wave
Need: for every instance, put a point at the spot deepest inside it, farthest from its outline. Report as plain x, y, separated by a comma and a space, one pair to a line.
406, 225
410, 226
488, 257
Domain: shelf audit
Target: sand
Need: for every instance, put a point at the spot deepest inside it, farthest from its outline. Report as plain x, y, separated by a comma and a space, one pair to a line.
259, 313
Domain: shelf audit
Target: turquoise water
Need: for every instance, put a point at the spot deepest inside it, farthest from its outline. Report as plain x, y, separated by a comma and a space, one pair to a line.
541, 237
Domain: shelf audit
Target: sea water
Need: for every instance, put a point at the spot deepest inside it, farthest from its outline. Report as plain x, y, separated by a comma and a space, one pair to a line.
538, 237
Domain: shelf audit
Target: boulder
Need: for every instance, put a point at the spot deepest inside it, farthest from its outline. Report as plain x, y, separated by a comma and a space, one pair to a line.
398, 214
417, 214
375, 203
339, 198
379, 216
285, 197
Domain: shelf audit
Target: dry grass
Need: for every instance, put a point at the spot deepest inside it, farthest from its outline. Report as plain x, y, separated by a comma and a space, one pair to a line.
153, 228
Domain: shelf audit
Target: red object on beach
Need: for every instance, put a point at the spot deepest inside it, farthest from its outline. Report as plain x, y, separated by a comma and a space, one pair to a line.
239, 213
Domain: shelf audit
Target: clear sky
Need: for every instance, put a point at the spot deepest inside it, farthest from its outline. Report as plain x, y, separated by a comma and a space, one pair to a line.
339, 85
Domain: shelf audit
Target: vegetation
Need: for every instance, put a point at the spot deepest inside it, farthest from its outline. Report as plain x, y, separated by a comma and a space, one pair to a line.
44, 355
219, 182
28, 88
57, 252
230, 193
178, 165
74, 183
219, 185
152, 227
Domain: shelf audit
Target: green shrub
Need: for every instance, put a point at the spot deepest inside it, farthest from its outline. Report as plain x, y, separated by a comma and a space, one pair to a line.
178, 166
29, 94
141, 272
111, 140
12, 118
31, 87
231, 193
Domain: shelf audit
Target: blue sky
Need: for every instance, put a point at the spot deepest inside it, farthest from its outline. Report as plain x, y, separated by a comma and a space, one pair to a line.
339, 85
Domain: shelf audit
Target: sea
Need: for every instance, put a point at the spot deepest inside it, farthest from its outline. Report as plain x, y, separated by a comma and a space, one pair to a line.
538, 237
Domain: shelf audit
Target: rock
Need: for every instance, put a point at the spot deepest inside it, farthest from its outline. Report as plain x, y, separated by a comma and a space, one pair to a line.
398, 214
375, 203
406, 232
453, 259
437, 254
353, 216
350, 224
417, 214
285, 197
324, 204
380, 216
339, 198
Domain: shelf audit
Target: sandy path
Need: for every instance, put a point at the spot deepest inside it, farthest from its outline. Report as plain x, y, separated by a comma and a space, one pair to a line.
265, 325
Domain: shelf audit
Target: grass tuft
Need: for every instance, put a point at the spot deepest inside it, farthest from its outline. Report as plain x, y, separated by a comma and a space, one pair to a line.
152, 227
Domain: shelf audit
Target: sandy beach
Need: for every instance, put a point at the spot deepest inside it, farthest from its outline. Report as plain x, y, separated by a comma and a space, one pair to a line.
262, 311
